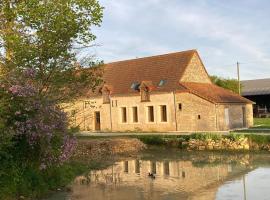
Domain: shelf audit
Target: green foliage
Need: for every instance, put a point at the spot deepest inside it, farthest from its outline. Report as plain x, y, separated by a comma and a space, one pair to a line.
46, 36
234, 136
262, 123
31, 182
259, 139
41, 37
206, 136
230, 84
152, 139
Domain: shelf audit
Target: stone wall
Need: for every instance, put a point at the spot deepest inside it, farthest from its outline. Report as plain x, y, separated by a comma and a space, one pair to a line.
196, 114
195, 72
236, 117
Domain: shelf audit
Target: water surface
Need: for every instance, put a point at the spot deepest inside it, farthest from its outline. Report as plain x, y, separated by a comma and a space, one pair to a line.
178, 175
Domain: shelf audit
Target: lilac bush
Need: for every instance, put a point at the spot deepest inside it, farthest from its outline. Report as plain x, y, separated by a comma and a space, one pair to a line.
32, 117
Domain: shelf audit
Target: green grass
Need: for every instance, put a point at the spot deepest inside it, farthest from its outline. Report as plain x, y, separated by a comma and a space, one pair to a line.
262, 123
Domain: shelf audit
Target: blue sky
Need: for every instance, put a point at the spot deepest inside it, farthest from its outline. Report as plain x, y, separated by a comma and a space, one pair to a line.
223, 31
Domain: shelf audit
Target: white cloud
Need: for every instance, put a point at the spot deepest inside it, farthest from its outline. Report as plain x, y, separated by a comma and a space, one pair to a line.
223, 33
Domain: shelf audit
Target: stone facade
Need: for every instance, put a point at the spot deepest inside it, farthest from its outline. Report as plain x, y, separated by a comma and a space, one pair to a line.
195, 72
185, 112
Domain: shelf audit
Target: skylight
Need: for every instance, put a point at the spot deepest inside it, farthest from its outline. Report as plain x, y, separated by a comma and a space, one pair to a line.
135, 85
161, 83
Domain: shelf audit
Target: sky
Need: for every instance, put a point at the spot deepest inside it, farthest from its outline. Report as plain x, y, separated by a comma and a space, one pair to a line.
223, 32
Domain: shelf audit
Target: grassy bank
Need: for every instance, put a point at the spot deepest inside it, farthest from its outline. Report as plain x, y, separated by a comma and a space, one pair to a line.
262, 123
210, 141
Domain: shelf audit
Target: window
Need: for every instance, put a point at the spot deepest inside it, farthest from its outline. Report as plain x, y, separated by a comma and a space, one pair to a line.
199, 116
163, 113
124, 114
135, 114
180, 106
161, 83
135, 86
183, 174
153, 167
151, 117
166, 168
137, 166
126, 166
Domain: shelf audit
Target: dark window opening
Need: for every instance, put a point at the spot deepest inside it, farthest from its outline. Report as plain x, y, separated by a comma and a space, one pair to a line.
126, 167
166, 168
135, 114
163, 112
151, 117
124, 115
153, 167
183, 174
180, 106
199, 116
137, 167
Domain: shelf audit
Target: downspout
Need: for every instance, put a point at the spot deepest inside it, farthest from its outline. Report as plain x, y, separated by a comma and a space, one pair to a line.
216, 117
111, 113
175, 117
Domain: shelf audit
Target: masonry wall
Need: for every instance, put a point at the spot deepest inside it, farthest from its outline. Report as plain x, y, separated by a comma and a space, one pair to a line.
196, 114
237, 118
156, 100
195, 72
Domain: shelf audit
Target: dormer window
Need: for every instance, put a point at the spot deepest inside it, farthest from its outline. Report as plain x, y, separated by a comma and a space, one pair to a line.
145, 95
106, 95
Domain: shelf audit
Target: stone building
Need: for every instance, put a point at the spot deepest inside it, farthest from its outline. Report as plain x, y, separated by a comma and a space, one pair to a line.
170, 92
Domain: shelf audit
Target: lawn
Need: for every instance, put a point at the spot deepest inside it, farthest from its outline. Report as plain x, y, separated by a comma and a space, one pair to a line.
262, 123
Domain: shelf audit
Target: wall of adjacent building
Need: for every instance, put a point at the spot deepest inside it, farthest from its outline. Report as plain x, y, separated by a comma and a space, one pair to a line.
236, 115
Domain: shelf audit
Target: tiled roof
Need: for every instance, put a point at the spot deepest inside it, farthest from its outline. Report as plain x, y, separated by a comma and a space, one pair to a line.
168, 67
256, 87
214, 93
125, 77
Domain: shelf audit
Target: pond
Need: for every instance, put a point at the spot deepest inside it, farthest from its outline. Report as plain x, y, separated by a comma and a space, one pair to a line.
177, 175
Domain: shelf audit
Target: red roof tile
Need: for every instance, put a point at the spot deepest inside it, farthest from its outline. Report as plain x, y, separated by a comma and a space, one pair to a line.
169, 67
214, 93
119, 77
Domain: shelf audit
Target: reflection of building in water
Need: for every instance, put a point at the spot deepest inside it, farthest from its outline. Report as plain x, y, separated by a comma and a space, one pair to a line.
176, 175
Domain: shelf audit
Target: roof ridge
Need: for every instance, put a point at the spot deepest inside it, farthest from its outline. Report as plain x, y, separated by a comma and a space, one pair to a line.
154, 56
256, 79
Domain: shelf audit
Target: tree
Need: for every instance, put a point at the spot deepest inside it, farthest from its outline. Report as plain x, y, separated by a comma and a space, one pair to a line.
42, 34
230, 84
39, 72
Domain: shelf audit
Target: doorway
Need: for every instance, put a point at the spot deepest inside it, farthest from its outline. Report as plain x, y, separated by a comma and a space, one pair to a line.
97, 121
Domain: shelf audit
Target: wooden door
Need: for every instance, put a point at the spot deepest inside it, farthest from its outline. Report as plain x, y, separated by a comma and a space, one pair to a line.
97, 121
